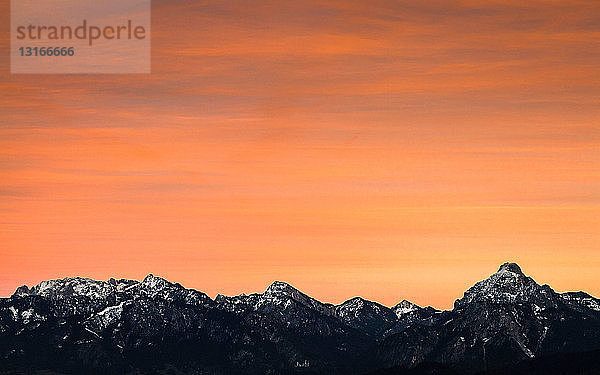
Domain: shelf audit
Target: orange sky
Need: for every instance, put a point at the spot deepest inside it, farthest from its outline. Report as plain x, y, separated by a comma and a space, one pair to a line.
384, 149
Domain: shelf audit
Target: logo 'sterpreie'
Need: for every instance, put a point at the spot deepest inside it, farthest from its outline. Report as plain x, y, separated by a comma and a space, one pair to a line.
80, 36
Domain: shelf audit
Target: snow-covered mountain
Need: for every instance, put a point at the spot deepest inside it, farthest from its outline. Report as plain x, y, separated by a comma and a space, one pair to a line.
502, 320
78, 325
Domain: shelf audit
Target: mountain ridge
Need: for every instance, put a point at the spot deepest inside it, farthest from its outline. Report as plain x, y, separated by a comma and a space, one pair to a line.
507, 266
127, 325
271, 288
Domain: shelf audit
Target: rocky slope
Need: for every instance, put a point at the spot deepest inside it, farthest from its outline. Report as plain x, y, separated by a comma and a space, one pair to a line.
502, 320
83, 326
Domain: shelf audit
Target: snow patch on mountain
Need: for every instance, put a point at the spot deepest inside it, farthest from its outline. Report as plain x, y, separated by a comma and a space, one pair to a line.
507, 286
404, 307
582, 299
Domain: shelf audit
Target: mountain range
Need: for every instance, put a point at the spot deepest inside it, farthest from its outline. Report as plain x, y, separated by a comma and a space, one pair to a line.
505, 324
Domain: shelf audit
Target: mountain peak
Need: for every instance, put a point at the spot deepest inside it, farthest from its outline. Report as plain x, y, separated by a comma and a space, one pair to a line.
281, 292
357, 303
154, 284
511, 267
280, 287
404, 307
512, 318
22, 291
508, 285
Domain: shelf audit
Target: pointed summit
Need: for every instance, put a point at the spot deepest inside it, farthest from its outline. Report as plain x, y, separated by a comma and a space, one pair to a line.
511, 267
279, 288
151, 279
280, 292
21, 291
508, 285
405, 307
153, 284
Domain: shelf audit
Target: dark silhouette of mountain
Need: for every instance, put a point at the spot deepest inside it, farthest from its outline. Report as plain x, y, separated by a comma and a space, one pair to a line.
424, 368
507, 323
580, 363
504, 319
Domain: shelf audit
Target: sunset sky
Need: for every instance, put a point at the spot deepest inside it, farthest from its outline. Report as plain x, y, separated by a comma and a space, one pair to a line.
393, 150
